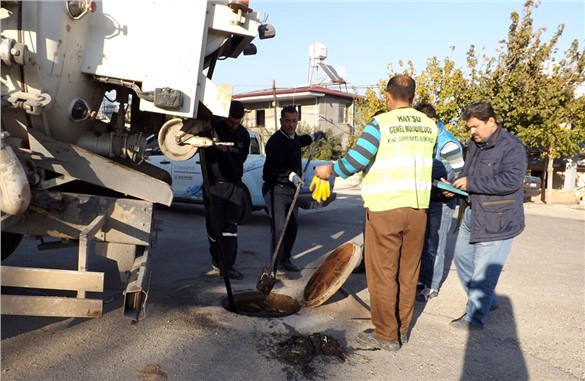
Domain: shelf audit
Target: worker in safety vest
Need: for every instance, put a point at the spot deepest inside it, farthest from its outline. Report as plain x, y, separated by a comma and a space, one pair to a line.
395, 153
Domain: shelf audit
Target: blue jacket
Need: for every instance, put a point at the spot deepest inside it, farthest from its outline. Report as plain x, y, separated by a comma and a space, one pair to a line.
442, 167
443, 138
495, 174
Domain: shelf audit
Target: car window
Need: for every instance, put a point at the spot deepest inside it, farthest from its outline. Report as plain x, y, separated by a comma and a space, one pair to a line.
254, 146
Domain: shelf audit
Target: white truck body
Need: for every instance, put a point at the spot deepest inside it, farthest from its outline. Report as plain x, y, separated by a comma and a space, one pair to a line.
67, 174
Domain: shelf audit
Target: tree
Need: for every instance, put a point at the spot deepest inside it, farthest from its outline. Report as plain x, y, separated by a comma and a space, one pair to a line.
534, 96
446, 87
366, 106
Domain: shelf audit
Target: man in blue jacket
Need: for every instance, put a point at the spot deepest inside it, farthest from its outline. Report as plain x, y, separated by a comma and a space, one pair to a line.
493, 176
448, 164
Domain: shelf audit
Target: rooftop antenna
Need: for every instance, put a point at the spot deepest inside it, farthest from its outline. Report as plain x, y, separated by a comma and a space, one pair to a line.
317, 55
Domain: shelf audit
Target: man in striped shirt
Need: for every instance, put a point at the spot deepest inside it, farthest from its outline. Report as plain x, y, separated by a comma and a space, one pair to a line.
395, 153
448, 164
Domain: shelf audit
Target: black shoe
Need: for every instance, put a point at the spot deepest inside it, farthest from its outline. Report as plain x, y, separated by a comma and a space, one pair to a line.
463, 325
359, 269
420, 287
426, 295
234, 274
288, 266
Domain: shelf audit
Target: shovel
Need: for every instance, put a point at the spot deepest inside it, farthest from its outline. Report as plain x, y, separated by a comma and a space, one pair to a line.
267, 278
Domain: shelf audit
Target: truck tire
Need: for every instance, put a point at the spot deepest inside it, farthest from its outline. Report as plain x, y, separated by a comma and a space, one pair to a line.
10, 242
246, 207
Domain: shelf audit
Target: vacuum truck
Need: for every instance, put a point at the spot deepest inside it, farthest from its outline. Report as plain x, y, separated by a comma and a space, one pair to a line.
72, 175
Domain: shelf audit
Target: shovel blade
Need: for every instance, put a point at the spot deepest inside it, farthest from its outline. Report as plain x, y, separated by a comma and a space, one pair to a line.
266, 282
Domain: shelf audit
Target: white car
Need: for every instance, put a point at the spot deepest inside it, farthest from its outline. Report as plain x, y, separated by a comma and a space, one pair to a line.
187, 179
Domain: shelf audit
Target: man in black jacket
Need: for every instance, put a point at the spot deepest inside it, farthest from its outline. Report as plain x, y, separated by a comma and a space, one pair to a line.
281, 174
225, 167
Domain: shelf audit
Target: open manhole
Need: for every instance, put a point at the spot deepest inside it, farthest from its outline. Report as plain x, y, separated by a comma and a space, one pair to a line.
257, 304
325, 281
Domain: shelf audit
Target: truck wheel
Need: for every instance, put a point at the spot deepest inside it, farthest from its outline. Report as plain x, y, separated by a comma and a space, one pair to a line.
246, 207
10, 242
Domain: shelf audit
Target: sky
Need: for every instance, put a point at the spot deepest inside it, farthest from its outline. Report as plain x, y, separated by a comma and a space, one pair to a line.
364, 37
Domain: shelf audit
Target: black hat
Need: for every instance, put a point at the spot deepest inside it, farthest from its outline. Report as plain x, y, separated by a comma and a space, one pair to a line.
237, 110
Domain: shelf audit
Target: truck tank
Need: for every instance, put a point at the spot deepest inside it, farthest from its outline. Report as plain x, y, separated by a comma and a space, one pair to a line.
74, 176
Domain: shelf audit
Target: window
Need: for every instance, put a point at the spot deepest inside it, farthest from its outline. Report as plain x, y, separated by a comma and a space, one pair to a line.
342, 113
260, 118
254, 146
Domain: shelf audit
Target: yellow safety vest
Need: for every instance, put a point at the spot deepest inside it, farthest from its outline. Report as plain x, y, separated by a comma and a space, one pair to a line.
401, 174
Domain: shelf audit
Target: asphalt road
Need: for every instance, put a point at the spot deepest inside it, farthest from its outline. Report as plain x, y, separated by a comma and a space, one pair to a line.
186, 333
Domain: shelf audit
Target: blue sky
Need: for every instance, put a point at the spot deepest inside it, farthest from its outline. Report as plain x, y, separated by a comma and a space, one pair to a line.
364, 37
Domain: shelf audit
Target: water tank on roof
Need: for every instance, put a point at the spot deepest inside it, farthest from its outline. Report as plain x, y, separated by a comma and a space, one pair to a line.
317, 51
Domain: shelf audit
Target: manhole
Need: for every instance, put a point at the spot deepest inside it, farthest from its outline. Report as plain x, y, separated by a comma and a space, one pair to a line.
257, 304
325, 281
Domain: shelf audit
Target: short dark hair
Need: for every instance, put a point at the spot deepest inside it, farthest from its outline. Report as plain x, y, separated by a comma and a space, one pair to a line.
401, 87
427, 109
378, 113
480, 110
237, 110
288, 109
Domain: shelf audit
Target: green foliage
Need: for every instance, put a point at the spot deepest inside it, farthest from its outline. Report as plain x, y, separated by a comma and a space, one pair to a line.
533, 94
330, 148
366, 106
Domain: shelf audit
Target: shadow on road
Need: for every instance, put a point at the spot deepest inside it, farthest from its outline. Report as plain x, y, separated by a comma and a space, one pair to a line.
494, 353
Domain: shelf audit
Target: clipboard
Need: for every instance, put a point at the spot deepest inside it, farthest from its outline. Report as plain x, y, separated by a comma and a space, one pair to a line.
449, 188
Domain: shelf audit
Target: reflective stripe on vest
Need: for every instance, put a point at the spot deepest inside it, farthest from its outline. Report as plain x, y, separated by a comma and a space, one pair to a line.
401, 175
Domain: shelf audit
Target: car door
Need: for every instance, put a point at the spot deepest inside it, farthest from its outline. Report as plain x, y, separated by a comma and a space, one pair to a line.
187, 180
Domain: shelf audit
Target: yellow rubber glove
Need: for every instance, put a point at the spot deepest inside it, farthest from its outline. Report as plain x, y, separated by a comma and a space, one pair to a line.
315, 188
324, 190
327, 187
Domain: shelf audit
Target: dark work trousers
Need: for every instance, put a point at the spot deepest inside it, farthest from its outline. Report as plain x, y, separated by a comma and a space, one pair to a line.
278, 201
227, 208
394, 240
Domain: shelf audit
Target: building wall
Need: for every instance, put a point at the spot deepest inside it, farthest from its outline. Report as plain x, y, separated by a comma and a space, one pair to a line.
335, 115
326, 113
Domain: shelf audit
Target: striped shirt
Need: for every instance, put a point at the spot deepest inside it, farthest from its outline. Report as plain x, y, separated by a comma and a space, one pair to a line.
362, 154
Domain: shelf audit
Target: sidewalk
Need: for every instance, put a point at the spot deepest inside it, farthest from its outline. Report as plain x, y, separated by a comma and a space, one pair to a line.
536, 207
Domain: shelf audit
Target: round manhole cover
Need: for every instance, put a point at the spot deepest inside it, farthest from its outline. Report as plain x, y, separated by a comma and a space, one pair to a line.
331, 274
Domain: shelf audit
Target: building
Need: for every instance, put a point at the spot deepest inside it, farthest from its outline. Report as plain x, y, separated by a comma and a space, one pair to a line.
319, 108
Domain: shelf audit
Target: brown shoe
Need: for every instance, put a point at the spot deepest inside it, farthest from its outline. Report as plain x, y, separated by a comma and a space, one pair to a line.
371, 341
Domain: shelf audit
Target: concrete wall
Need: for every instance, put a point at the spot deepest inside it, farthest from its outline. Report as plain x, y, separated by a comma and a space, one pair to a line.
326, 113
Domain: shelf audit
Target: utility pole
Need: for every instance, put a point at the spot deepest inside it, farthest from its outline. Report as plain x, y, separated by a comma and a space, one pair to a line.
275, 105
